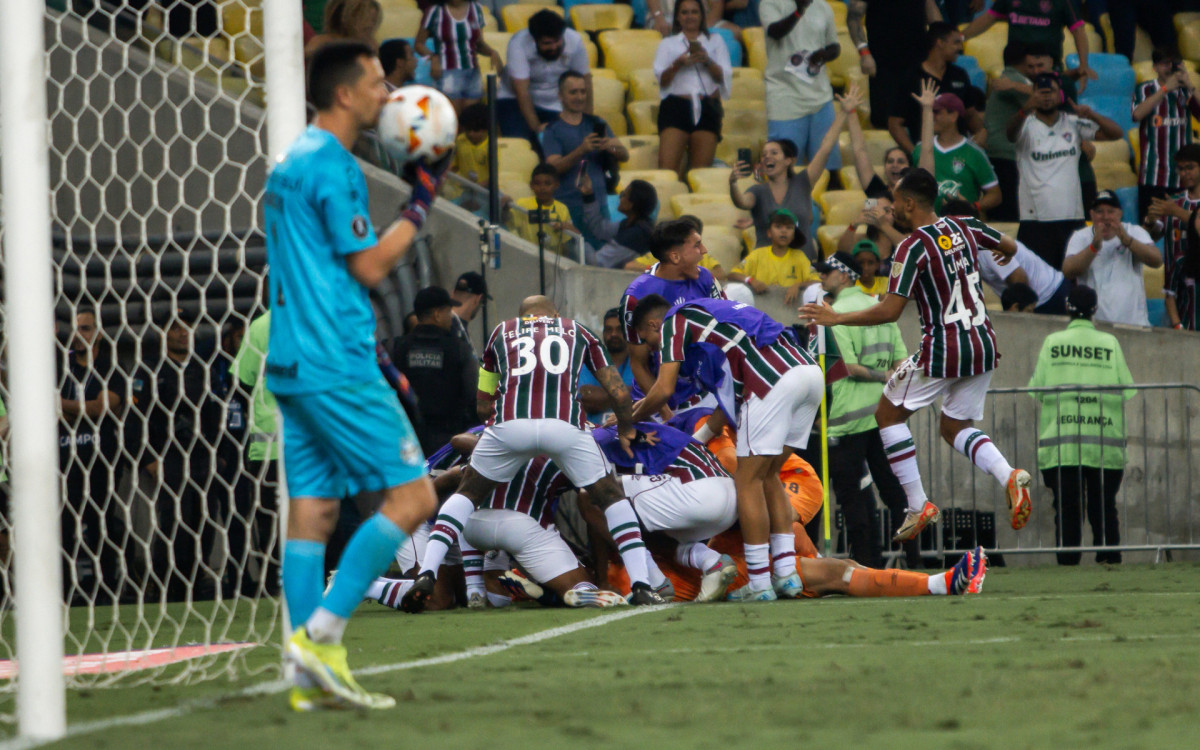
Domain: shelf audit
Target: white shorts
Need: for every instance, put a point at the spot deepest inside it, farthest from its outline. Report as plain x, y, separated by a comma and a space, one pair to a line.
962, 398
784, 417
541, 552
504, 448
690, 512
412, 552
496, 560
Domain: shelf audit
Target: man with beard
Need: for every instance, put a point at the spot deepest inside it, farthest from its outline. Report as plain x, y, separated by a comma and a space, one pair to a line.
537, 57
593, 397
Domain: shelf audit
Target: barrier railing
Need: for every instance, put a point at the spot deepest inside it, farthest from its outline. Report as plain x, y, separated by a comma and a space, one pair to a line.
1158, 501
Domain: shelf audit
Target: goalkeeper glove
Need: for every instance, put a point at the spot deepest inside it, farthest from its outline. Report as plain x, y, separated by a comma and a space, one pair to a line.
424, 179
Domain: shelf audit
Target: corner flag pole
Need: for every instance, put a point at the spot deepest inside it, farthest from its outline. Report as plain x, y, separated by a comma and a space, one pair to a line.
824, 439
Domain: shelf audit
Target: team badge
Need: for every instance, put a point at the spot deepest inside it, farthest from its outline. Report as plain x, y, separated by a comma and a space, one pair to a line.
358, 225
897, 269
1067, 137
410, 453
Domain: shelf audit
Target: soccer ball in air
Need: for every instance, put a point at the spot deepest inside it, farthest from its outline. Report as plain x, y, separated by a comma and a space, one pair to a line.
417, 122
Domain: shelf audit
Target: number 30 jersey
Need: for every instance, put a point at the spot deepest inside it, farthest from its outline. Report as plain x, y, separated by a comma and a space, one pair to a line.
538, 362
938, 266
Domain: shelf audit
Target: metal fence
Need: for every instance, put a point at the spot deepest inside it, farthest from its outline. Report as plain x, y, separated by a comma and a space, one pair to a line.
1158, 504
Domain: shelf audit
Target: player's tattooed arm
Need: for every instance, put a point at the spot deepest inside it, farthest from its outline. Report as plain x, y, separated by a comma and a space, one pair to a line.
622, 400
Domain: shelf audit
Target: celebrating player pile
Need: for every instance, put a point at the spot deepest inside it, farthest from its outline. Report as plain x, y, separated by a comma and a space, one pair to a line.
938, 265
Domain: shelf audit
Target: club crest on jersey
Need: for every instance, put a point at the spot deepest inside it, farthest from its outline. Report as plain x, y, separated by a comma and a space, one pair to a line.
897, 269
410, 452
1068, 137
958, 166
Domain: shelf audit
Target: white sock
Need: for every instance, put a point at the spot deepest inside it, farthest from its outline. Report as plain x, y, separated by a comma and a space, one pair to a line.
783, 555
472, 560
375, 589
325, 627
978, 447
697, 555
758, 565
449, 524
498, 600
937, 585
656, 576
627, 533
902, 455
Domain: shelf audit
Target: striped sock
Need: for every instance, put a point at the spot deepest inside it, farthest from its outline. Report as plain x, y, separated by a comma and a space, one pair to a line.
472, 560
902, 455
449, 524
783, 555
389, 591
978, 447
758, 565
627, 533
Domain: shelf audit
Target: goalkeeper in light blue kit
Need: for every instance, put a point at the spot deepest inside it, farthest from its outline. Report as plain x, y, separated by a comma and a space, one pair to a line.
343, 430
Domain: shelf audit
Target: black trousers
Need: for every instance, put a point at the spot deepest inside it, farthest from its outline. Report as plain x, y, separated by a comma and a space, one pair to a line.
1072, 486
253, 528
1152, 15
1048, 239
95, 534
1006, 174
188, 518
849, 455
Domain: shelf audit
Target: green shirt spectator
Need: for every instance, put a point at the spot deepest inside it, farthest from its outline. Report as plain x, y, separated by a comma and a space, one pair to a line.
247, 367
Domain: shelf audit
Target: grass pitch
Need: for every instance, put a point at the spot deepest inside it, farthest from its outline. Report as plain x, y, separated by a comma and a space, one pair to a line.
1046, 658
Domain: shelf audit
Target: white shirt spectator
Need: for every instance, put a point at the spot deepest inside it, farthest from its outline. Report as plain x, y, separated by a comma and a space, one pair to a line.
795, 90
1043, 278
693, 82
1048, 162
524, 63
1116, 275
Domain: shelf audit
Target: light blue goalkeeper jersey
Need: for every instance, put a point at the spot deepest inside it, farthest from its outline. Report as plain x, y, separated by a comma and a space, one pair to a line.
322, 324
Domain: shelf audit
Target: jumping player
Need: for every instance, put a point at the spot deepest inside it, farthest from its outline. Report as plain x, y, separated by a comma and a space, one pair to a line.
344, 431
527, 385
938, 265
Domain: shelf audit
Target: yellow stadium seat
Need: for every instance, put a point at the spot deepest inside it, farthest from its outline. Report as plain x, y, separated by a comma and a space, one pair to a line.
489, 21
248, 50
1111, 152
1189, 36
1144, 70
725, 249
608, 94
842, 212
1113, 176
516, 160
1095, 41
748, 83
666, 191
831, 198
615, 119
822, 183
988, 48
849, 175
593, 54
516, 16
644, 117
1152, 278
653, 176
512, 144
1134, 138
730, 143
515, 186
605, 73
846, 61
877, 142
497, 40
643, 151
643, 86
755, 42
1005, 227
399, 23
738, 102
751, 122
712, 208
749, 239
715, 180
829, 234
599, 17
839, 15
627, 50
239, 18
1143, 47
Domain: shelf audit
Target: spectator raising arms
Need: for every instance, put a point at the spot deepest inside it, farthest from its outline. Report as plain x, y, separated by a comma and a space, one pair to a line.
694, 74
629, 238
895, 161
961, 168
456, 29
945, 45
784, 187
801, 37
1010, 90
1162, 108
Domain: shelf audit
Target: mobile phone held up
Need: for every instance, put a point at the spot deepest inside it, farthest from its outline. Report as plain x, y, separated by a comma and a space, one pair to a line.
695, 48
599, 129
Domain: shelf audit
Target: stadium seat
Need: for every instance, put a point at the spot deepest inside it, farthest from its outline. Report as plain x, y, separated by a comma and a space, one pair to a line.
1129, 204
842, 213
715, 208
1006, 227
752, 122
1113, 176
515, 159
829, 234
497, 40
1152, 278
714, 180
592, 52
819, 187
832, 198
399, 23
988, 48
615, 119
1189, 36
1144, 70
1143, 47
643, 116
593, 17
643, 86
756, 47
569, 4
974, 72
653, 176
748, 83
608, 94
1111, 152
643, 151
730, 143
749, 240
489, 21
239, 18
605, 73
1115, 107
847, 60
839, 14
731, 44
725, 249
1133, 136
516, 16
877, 142
248, 51
627, 50
515, 186
1116, 78
1095, 42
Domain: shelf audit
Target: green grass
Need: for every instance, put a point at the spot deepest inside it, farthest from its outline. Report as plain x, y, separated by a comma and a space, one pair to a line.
1046, 657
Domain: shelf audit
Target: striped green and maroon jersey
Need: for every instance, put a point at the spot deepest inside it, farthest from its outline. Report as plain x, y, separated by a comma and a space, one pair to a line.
539, 361
755, 371
534, 491
454, 40
695, 462
938, 266
1163, 132
1176, 281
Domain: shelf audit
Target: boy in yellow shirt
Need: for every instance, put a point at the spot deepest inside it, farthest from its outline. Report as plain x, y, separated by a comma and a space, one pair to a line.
866, 253
471, 145
780, 264
556, 218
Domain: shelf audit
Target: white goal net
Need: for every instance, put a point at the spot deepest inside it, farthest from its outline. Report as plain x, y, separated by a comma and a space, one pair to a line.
170, 541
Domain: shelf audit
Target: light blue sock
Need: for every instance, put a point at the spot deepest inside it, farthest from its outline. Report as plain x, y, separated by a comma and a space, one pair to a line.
366, 557
303, 567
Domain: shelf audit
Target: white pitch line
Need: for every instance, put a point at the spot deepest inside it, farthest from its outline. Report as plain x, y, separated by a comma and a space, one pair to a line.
278, 686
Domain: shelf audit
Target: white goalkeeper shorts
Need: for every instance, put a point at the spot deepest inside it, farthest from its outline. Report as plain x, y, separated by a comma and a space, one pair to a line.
541, 552
506, 447
784, 417
962, 398
691, 512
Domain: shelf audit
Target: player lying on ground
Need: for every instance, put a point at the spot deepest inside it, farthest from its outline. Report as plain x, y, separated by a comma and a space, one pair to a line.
938, 265
769, 386
528, 381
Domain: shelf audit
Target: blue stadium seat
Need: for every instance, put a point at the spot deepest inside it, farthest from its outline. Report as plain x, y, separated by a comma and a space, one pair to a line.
1099, 61
639, 13
731, 43
976, 74
1129, 204
568, 4
1116, 76
1110, 105
1156, 309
